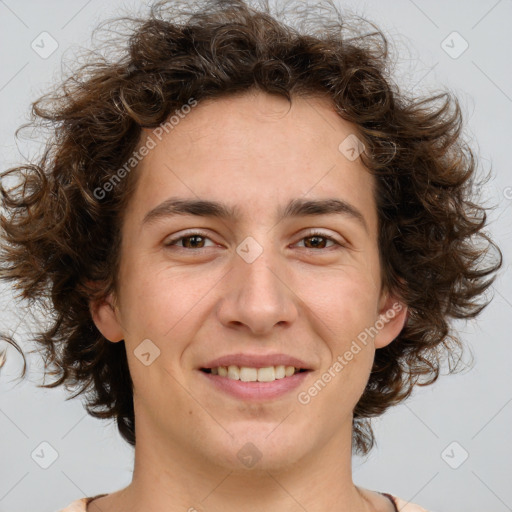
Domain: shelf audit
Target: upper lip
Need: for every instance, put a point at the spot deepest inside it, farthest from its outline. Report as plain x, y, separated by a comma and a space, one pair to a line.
257, 361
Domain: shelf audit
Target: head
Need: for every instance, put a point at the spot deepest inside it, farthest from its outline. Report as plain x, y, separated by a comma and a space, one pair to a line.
229, 105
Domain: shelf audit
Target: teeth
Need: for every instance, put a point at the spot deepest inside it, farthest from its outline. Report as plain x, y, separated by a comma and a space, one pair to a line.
280, 371
247, 374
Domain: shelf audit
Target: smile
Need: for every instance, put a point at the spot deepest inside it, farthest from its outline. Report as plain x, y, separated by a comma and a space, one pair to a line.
252, 388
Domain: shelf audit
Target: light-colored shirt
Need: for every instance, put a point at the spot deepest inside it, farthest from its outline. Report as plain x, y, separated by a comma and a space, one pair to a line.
81, 505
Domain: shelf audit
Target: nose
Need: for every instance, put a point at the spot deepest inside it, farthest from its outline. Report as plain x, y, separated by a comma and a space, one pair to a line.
258, 295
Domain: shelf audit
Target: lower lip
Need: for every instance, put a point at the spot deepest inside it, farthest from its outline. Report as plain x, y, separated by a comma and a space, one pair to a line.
256, 390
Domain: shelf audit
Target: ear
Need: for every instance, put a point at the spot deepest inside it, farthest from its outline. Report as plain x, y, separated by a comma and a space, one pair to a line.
104, 315
393, 314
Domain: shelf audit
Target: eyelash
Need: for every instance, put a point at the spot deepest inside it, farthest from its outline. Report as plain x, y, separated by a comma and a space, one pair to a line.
319, 234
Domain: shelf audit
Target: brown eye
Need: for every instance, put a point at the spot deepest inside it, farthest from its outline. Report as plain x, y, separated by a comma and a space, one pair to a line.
317, 241
190, 241
193, 242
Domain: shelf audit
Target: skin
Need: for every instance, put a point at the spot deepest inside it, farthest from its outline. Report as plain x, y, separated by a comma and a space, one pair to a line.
195, 304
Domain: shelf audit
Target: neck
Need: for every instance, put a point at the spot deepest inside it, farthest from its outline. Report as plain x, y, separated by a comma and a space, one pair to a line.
168, 476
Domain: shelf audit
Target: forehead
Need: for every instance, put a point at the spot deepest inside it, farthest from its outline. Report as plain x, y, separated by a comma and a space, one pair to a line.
255, 152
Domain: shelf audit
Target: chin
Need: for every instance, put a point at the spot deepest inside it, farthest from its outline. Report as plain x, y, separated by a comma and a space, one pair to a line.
266, 449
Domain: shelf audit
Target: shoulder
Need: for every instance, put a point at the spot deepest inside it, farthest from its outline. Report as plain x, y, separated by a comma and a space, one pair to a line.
405, 506
399, 504
81, 504
76, 506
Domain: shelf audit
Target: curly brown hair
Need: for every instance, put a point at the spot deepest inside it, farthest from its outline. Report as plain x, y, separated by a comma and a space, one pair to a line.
61, 240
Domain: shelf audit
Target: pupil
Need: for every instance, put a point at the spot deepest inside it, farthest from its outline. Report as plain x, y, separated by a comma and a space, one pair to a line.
316, 238
194, 237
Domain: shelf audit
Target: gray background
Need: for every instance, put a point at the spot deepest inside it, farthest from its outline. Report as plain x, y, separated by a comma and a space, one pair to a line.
415, 458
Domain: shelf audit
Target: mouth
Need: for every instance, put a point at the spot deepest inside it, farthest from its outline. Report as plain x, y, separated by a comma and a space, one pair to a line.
252, 384
253, 374
247, 386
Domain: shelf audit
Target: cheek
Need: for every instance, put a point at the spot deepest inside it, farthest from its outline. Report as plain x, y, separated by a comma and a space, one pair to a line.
349, 318
347, 311
346, 303
142, 306
147, 298
165, 305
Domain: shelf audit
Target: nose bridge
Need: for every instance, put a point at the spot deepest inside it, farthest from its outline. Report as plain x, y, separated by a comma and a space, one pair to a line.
258, 268
258, 296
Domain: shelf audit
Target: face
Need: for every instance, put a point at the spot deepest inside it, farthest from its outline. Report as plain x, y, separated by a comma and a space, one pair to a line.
258, 289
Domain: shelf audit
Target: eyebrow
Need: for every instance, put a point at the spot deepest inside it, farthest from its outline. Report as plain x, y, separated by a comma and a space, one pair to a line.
295, 208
